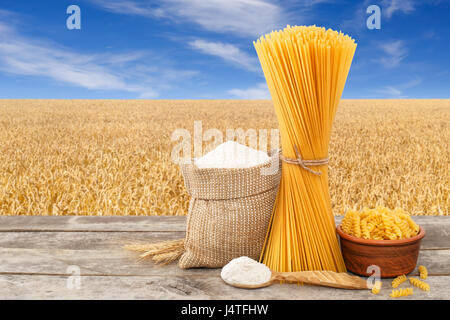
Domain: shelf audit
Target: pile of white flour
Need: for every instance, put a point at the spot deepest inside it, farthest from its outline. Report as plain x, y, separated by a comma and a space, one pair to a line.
246, 271
231, 154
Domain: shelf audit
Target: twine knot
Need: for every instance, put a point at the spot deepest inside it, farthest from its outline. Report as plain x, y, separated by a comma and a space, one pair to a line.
305, 164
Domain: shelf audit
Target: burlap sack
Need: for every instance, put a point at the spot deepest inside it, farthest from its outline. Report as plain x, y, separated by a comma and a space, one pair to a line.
229, 212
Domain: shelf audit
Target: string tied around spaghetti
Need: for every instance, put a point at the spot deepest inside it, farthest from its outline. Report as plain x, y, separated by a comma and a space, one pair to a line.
305, 164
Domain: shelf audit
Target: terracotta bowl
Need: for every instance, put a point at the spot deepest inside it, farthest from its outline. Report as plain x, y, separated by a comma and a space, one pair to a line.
394, 257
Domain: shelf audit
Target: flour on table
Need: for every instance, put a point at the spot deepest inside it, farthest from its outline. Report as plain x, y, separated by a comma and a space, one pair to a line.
246, 271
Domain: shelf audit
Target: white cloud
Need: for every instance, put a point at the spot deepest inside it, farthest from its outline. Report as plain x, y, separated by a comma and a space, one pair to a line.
129, 7
308, 3
228, 52
391, 91
260, 91
392, 6
395, 51
398, 90
106, 71
249, 17
242, 17
357, 21
412, 83
20, 56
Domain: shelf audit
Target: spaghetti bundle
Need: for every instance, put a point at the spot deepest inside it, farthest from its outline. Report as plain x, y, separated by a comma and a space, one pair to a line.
305, 69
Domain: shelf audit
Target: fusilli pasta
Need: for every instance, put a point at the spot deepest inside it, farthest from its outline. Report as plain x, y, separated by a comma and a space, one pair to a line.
423, 272
379, 224
376, 287
401, 292
419, 284
398, 281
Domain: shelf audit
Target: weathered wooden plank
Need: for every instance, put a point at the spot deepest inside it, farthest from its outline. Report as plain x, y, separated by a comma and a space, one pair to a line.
148, 223
436, 261
438, 232
111, 240
93, 223
117, 261
82, 240
189, 287
91, 262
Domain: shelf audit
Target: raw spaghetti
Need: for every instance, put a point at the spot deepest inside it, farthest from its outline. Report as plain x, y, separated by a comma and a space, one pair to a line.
305, 69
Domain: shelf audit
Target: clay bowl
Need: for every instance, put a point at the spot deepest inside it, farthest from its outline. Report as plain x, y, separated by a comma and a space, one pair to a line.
394, 257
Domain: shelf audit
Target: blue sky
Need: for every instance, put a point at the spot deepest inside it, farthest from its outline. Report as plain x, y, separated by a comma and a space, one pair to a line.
203, 49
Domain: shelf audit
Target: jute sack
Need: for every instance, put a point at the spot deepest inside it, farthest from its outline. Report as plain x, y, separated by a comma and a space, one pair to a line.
229, 212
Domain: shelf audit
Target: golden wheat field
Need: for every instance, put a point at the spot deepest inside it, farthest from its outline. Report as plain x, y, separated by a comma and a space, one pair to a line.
113, 157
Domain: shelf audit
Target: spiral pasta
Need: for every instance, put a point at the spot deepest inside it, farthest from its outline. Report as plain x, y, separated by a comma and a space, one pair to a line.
376, 287
401, 293
347, 222
398, 281
423, 272
356, 226
379, 224
419, 284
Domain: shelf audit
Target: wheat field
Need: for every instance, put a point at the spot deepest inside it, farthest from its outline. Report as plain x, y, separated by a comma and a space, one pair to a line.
113, 157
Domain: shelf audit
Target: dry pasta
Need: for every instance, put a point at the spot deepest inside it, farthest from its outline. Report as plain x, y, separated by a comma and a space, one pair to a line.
398, 281
379, 224
419, 284
305, 69
376, 287
423, 272
402, 292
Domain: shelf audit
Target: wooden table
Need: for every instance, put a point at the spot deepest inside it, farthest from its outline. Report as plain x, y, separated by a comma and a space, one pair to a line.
40, 258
